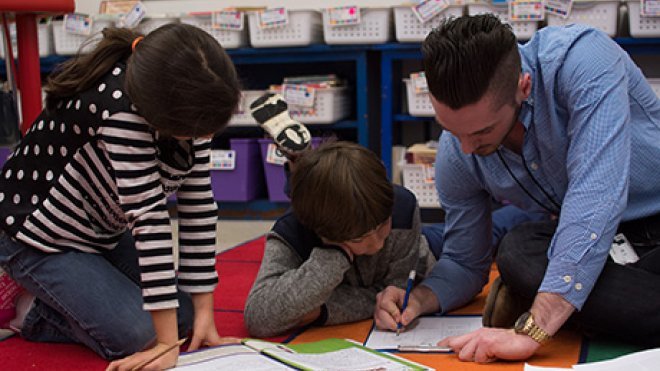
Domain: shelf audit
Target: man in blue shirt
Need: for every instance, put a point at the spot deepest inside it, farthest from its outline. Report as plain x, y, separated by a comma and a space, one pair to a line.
565, 124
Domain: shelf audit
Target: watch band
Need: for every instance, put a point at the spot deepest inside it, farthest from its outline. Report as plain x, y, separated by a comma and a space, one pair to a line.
530, 328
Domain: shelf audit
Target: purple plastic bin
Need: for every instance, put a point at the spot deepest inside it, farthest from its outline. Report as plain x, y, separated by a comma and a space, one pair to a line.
4, 153
246, 181
275, 176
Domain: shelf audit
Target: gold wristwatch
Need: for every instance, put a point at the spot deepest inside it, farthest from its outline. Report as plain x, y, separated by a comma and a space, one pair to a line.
526, 325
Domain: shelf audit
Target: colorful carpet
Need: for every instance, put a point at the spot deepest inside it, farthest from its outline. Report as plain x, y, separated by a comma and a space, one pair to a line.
237, 269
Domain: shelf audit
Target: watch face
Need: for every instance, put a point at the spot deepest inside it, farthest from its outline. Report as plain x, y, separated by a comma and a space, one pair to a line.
520, 322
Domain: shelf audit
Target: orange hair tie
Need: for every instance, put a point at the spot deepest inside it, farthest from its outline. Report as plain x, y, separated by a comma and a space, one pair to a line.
136, 41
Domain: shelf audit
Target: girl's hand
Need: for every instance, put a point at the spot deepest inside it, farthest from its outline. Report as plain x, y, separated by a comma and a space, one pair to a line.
162, 362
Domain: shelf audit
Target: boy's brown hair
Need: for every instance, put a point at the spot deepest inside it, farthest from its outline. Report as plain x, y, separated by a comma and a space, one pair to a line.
340, 191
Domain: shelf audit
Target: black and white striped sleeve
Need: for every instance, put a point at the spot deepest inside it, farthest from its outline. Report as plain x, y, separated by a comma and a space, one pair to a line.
129, 144
198, 216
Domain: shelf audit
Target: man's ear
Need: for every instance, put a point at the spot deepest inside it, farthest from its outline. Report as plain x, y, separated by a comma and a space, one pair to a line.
524, 87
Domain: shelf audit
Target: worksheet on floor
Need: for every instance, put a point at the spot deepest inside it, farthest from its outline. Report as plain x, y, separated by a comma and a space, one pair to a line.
425, 331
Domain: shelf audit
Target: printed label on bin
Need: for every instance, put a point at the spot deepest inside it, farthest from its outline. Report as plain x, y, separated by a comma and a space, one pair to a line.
427, 9
525, 11
343, 15
429, 174
650, 8
77, 23
271, 18
299, 95
419, 83
274, 155
227, 20
134, 16
222, 159
561, 8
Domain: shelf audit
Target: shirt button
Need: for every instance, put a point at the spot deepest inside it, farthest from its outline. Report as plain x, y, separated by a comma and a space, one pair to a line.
594, 236
567, 279
578, 286
534, 166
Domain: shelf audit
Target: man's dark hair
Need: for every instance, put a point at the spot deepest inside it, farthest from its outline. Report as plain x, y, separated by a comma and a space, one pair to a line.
467, 57
179, 77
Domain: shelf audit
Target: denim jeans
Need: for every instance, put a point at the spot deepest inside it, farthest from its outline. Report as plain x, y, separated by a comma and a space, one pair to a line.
93, 299
625, 301
504, 219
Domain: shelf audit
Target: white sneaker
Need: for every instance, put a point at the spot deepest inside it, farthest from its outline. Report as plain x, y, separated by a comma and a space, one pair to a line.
271, 112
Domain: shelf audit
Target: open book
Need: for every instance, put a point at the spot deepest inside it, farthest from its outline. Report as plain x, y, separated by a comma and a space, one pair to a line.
328, 354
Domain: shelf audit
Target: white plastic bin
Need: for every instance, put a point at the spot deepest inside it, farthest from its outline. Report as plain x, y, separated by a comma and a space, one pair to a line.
44, 35
243, 117
375, 27
642, 26
419, 104
603, 15
416, 179
151, 23
410, 29
229, 39
67, 43
330, 106
304, 28
523, 30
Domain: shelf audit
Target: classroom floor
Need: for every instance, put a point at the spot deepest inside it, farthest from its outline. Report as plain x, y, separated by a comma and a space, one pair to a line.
232, 233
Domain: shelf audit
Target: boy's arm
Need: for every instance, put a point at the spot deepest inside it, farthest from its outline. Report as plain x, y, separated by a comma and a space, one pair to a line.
401, 254
287, 289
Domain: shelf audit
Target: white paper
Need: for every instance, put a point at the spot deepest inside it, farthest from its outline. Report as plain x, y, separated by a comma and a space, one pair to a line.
350, 359
529, 367
228, 357
424, 331
647, 360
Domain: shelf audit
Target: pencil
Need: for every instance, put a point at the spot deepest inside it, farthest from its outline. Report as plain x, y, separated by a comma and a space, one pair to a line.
411, 280
162, 353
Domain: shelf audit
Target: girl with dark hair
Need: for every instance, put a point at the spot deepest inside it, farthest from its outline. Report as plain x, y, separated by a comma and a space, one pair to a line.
84, 225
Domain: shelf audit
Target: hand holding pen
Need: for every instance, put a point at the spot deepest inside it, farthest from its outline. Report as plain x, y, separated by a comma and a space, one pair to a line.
409, 286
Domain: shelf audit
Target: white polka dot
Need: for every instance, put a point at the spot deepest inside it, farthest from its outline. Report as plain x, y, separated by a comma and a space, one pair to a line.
10, 220
78, 103
2, 196
105, 114
49, 175
51, 125
41, 124
26, 150
59, 104
90, 131
35, 199
133, 108
35, 175
101, 87
76, 128
68, 105
8, 174
117, 94
62, 127
20, 174
50, 150
63, 151
17, 199
36, 149
116, 71
92, 108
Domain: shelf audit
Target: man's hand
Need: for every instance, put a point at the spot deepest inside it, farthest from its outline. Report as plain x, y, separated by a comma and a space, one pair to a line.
489, 344
389, 301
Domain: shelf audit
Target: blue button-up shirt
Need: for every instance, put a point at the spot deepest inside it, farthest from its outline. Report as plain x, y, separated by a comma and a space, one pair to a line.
592, 143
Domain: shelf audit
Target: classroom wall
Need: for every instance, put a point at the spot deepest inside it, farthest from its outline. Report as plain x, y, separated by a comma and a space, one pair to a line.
175, 6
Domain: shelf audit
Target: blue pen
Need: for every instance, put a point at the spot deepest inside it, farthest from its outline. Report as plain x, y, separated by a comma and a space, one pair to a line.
411, 280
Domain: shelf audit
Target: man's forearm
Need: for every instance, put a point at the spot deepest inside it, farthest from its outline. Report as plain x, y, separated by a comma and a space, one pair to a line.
551, 311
